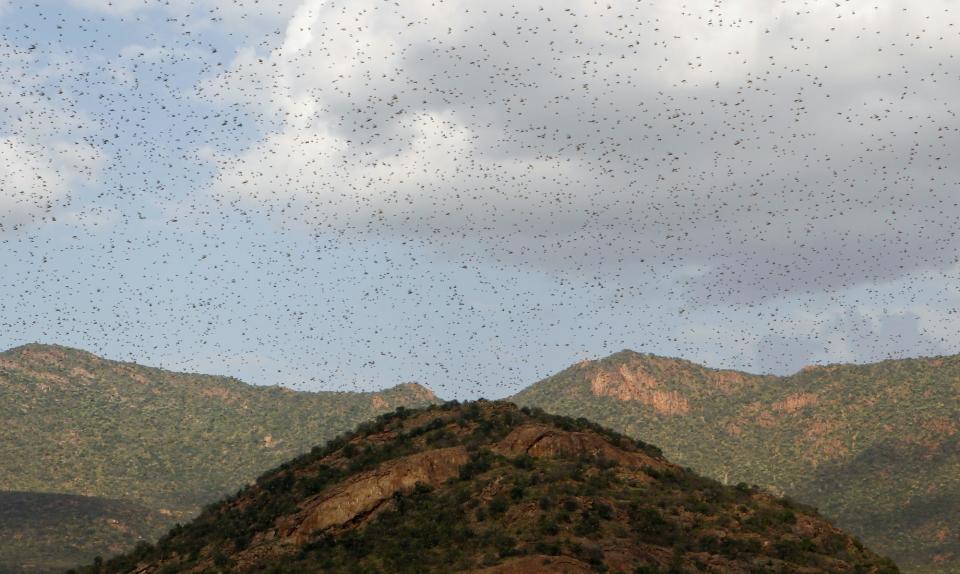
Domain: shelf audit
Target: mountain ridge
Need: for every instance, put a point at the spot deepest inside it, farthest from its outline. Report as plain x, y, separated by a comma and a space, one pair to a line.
33, 350
693, 411
806, 368
73, 418
824, 435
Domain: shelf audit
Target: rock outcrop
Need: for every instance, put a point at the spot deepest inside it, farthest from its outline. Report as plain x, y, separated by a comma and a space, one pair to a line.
543, 441
361, 496
628, 384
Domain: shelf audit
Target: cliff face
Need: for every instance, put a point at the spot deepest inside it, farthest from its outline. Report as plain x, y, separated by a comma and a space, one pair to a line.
666, 386
637, 385
490, 488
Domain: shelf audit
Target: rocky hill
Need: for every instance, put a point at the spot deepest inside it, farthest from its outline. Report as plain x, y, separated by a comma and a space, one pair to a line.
74, 423
490, 488
876, 447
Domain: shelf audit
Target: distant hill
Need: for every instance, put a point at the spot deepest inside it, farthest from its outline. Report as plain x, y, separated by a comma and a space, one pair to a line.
876, 447
491, 489
74, 423
42, 531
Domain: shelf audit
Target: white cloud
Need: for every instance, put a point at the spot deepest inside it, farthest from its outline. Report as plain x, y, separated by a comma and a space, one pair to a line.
44, 156
776, 147
35, 179
30, 185
115, 7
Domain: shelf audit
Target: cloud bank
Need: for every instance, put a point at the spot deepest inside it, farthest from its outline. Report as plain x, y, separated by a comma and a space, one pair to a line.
776, 150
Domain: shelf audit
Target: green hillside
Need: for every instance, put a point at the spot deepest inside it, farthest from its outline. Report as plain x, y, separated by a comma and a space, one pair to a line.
42, 531
75, 423
875, 447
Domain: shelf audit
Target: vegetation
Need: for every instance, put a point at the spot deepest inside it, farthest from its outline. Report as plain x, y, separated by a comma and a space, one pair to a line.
169, 442
628, 510
875, 447
47, 531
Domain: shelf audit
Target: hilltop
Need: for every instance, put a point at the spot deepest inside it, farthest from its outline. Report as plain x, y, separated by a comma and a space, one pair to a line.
490, 488
75, 423
876, 447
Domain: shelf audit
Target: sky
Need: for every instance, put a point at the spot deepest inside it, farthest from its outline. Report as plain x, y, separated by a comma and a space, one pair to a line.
350, 195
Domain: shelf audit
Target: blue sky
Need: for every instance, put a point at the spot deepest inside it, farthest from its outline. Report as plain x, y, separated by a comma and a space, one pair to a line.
349, 196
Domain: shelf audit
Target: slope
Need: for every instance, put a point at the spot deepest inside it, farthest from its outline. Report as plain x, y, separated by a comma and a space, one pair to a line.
873, 446
75, 423
47, 530
488, 487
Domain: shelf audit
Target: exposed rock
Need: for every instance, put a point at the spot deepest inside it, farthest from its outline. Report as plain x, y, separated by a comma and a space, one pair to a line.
941, 426
795, 402
214, 392
730, 381
544, 441
417, 391
363, 494
637, 385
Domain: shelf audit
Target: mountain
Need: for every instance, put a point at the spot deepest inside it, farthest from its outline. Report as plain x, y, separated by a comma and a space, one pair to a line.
490, 488
75, 423
875, 447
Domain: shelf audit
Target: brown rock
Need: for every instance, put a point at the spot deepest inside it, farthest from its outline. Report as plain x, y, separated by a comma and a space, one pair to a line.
636, 384
795, 402
362, 495
543, 441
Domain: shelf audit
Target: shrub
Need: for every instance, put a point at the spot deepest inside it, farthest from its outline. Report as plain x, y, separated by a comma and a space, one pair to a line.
479, 463
589, 525
603, 510
498, 506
